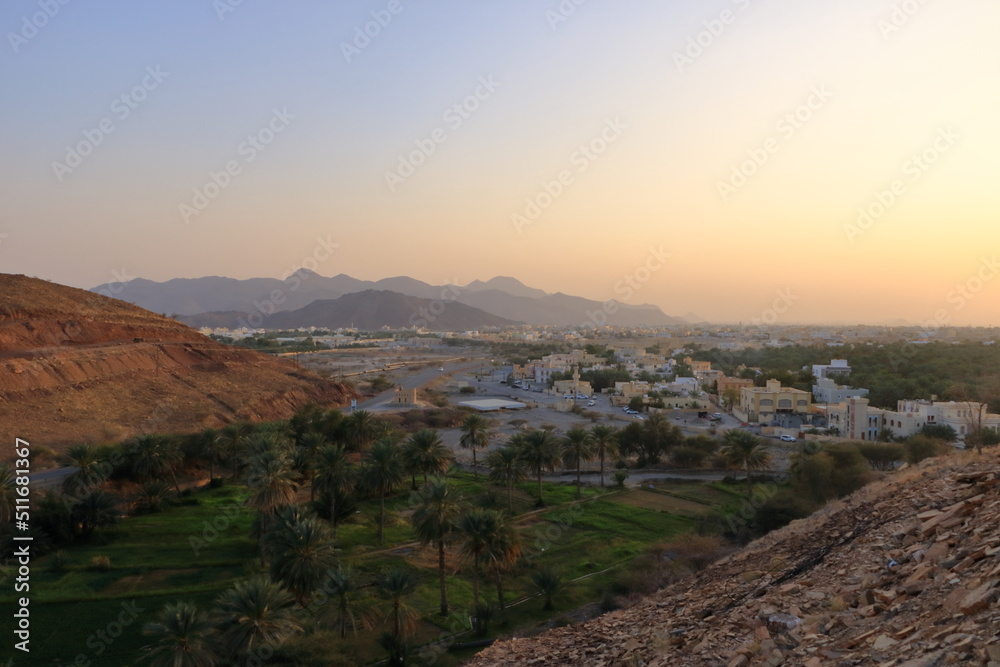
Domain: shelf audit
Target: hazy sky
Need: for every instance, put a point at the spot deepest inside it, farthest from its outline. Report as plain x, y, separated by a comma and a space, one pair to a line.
572, 145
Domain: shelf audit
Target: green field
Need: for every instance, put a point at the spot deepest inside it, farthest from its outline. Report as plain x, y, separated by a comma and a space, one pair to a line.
195, 550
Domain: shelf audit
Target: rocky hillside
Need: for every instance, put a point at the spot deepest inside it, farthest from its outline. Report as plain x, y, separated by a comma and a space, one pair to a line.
76, 366
904, 573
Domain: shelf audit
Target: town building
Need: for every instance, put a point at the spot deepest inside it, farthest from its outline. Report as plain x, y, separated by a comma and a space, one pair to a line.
761, 404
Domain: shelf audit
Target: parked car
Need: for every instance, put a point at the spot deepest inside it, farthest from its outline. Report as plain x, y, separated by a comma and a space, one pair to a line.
788, 438
591, 403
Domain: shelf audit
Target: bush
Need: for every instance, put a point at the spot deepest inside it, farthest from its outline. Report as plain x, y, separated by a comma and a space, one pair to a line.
939, 432
100, 564
688, 457
833, 472
619, 477
467, 390
780, 510
881, 455
920, 447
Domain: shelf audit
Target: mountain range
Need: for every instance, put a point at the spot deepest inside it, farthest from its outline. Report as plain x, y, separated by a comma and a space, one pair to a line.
318, 300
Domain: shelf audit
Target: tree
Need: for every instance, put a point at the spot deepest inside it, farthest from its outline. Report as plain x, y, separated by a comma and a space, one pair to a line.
425, 454
233, 437
476, 434
382, 473
334, 475
548, 584
396, 586
636, 403
96, 509
434, 522
881, 455
272, 484
305, 455
942, 432
501, 554
730, 397
348, 610
212, 447
302, 554
506, 467
184, 637
540, 451
91, 471
744, 449
577, 447
7, 494
155, 457
360, 428
478, 528
605, 442
254, 613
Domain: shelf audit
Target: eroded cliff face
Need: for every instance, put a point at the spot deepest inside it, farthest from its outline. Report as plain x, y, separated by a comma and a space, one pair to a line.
77, 367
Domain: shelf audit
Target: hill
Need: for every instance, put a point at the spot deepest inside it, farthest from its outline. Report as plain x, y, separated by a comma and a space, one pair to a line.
77, 366
904, 572
199, 299
374, 309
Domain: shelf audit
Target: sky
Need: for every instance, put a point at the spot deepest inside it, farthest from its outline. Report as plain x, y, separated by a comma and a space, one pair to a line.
738, 160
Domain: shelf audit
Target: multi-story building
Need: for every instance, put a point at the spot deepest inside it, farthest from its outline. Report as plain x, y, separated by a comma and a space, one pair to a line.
761, 404
826, 390
857, 420
837, 367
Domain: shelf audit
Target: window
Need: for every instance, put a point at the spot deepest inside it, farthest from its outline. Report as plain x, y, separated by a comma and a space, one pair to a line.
766, 401
784, 403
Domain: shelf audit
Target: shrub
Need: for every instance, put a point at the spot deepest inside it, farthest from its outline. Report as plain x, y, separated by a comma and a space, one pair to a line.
688, 457
833, 472
780, 509
920, 447
100, 564
881, 455
619, 477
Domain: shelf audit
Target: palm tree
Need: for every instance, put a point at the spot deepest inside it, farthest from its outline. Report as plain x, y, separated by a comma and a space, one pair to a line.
746, 450
302, 554
383, 473
506, 467
305, 454
272, 484
345, 587
425, 454
95, 510
540, 451
577, 447
212, 444
156, 457
395, 586
183, 637
254, 612
7, 496
360, 428
434, 522
478, 528
233, 437
500, 556
605, 443
91, 471
548, 583
153, 495
334, 474
476, 434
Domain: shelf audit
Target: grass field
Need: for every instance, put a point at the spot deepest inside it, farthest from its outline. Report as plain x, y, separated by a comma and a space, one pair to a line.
196, 550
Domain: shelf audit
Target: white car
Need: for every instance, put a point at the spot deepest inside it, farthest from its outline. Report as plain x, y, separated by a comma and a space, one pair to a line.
590, 403
788, 438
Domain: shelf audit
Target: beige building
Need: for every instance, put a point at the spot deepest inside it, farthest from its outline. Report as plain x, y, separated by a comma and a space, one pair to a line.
760, 404
857, 420
698, 366
574, 387
726, 383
